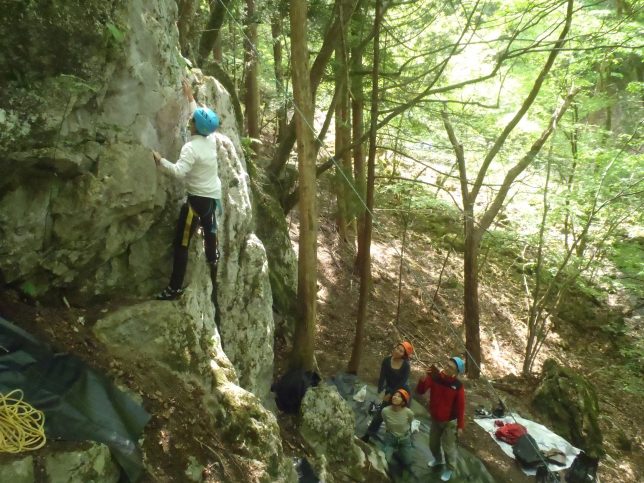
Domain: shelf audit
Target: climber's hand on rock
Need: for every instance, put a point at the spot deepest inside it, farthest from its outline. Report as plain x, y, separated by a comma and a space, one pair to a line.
157, 157
187, 90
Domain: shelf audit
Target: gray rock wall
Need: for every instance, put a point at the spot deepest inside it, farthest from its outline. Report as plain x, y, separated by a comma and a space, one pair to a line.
89, 89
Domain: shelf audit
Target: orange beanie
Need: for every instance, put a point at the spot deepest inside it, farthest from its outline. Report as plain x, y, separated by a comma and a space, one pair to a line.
409, 349
404, 394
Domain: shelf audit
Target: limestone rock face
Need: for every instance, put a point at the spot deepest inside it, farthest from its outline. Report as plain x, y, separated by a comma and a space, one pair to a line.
89, 89
327, 425
570, 402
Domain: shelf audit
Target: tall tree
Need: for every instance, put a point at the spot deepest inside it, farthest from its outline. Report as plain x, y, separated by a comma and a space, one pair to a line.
475, 226
251, 67
303, 342
343, 129
365, 267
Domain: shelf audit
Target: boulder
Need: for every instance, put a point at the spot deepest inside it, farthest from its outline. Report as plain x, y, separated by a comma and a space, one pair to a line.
94, 464
17, 469
327, 425
570, 403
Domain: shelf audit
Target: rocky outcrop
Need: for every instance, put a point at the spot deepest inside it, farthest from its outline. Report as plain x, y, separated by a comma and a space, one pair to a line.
91, 463
570, 402
89, 89
328, 424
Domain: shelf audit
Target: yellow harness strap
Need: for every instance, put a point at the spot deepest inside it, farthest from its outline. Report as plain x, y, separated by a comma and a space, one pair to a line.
186, 229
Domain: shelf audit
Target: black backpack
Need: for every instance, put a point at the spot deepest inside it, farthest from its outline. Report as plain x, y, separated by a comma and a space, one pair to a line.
583, 469
526, 451
290, 389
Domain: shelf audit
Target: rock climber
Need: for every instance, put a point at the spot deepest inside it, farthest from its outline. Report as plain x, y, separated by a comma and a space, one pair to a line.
447, 411
198, 167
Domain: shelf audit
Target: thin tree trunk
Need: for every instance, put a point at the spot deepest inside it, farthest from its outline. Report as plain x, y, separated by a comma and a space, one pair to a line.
211, 32
302, 355
251, 65
357, 127
276, 33
342, 132
471, 310
365, 269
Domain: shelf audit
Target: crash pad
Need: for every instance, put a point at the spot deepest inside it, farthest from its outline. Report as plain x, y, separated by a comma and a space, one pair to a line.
79, 403
469, 468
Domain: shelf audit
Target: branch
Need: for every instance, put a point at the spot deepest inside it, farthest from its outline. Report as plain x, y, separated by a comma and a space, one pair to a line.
524, 108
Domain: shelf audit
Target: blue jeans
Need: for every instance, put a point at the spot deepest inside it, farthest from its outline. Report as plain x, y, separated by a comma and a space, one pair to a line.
400, 446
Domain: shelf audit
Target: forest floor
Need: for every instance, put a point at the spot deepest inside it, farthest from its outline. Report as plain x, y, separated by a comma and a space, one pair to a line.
437, 333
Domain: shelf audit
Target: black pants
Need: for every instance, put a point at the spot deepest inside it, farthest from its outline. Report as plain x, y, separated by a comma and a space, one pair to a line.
376, 421
197, 210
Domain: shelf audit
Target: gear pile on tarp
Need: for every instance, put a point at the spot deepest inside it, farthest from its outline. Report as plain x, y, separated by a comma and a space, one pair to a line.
544, 439
469, 468
79, 404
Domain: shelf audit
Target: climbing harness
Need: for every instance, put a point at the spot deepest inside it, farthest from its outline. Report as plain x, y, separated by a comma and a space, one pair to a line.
21, 425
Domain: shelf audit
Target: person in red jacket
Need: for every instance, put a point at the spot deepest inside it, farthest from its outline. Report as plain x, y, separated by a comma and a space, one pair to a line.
447, 411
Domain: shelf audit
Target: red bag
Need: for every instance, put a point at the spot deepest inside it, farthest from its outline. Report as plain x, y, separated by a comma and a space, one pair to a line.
510, 433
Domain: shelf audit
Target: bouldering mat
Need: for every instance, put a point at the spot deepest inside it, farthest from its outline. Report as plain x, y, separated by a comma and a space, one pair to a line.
79, 403
469, 468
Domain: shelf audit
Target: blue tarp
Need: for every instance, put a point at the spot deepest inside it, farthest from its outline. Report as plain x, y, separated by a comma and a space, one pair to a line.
79, 403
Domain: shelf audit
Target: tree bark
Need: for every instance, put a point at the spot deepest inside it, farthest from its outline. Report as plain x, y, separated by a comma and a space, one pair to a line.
251, 65
343, 132
211, 32
365, 268
278, 68
302, 355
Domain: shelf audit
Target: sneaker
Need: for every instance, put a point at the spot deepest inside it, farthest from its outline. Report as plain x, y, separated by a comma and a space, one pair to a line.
447, 474
170, 294
365, 438
434, 463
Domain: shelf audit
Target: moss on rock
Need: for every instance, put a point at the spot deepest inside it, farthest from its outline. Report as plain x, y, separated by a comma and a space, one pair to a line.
570, 402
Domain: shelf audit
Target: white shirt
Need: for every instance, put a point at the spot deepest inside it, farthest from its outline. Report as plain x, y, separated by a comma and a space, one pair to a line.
197, 165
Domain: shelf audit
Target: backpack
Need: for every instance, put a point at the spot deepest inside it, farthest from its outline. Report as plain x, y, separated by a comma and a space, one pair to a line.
290, 389
583, 469
511, 432
526, 451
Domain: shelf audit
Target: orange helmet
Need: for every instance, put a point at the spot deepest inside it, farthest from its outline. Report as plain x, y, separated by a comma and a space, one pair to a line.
404, 395
409, 349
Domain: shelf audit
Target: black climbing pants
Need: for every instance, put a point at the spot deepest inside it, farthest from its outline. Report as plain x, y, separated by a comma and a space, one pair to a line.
197, 210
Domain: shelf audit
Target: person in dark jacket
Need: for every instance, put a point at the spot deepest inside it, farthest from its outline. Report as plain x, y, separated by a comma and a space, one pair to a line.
394, 375
447, 411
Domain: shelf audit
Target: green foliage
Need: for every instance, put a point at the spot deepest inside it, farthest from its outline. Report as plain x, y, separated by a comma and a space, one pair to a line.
116, 33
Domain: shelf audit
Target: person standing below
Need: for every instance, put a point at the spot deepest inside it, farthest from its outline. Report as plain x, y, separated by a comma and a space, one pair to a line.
447, 411
198, 167
398, 418
394, 375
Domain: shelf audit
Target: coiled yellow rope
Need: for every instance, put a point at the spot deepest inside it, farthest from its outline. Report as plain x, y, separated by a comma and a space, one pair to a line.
21, 425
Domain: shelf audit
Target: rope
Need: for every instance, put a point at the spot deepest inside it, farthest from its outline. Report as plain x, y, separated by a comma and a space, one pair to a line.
21, 425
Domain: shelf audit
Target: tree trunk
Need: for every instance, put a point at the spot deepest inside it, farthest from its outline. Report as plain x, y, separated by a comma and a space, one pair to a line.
278, 68
357, 123
302, 355
471, 311
342, 133
211, 32
365, 268
251, 65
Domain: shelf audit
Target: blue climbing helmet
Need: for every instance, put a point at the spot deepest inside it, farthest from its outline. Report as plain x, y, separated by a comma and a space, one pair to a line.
206, 121
460, 365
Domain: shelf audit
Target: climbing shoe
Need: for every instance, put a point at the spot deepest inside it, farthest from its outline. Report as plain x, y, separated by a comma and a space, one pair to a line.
170, 294
447, 474
434, 463
365, 438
